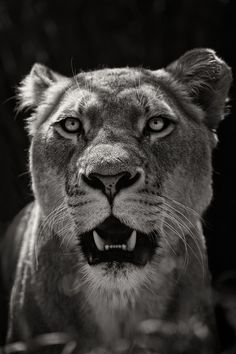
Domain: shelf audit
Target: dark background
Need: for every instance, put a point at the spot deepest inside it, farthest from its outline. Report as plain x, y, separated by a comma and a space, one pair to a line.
85, 34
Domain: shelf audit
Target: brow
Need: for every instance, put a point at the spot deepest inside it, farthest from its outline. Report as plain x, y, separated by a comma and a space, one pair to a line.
142, 100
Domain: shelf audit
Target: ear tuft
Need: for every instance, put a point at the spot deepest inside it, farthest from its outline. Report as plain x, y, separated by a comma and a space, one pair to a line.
207, 79
32, 89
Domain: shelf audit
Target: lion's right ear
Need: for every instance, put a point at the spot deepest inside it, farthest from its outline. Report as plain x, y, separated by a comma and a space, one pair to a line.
34, 86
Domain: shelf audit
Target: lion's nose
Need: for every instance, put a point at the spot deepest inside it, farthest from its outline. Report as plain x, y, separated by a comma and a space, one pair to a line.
111, 184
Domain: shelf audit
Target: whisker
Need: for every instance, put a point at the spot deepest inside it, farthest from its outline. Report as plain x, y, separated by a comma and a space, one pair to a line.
181, 237
166, 240
189, 231
182, 225
185, 207
50, 218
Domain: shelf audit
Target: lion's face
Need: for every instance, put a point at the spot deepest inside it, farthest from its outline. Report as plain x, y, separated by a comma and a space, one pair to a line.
121, 166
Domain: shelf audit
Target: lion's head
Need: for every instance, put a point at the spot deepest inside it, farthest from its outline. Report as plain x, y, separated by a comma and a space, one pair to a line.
121, 163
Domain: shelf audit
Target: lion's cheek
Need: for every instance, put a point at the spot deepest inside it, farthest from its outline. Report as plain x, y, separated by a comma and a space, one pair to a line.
47, 182
194, 188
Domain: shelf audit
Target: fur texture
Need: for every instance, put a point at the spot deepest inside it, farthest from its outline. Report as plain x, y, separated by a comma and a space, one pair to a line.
165, 305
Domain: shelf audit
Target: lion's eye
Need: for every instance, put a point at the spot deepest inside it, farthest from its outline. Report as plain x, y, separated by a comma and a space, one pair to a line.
71, 125
159, 126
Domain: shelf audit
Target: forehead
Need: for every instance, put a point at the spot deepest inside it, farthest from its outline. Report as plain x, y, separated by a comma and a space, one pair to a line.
114, 79
111, 87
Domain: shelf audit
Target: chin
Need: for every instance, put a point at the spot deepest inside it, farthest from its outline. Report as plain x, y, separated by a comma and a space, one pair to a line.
117, 284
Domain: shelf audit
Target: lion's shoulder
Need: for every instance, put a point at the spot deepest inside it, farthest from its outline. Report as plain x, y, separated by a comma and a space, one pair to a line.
11, 244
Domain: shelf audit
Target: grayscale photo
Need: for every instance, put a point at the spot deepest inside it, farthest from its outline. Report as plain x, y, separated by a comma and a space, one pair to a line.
117, 177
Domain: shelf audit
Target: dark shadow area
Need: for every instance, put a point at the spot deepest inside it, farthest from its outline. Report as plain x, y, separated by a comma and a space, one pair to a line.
87, 34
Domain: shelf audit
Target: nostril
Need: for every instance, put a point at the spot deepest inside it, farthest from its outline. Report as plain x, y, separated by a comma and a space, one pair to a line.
93, 181
110, 184
127, 180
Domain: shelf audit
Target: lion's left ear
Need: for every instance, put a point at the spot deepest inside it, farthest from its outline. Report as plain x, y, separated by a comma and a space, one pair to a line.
33, 88
207, 79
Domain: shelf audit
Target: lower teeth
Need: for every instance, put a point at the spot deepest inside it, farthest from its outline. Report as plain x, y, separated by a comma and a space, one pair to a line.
108, 247
99, 242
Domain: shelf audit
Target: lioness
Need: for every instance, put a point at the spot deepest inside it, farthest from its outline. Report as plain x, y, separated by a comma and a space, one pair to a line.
112, 251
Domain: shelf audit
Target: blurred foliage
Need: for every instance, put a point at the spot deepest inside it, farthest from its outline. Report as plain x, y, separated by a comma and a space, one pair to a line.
75, 35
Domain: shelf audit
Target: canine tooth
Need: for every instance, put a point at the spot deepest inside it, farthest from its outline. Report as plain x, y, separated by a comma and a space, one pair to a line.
124, 247
98, 241
107, 247
132, 241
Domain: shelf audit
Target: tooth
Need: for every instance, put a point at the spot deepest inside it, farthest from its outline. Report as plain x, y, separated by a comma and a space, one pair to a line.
98, 241
132, 241
124, 247
107, 247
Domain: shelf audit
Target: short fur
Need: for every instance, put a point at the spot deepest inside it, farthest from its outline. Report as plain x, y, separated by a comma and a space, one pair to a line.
165, 306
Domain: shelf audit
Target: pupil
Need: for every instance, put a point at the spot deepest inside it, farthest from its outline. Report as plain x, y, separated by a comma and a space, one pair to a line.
71, 124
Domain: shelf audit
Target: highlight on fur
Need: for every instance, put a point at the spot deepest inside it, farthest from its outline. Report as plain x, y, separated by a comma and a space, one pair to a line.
111, 253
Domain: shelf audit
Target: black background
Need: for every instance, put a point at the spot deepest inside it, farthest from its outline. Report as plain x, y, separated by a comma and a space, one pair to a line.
75, 35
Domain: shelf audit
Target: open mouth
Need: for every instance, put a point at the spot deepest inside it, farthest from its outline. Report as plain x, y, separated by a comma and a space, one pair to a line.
112, 241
